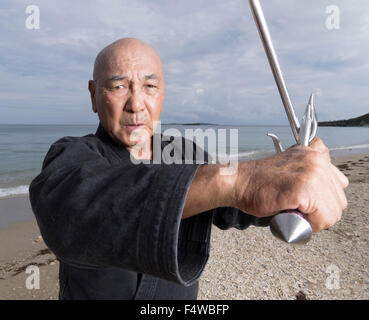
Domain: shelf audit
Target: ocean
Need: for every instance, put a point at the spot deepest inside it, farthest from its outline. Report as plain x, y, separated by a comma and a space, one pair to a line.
23, 147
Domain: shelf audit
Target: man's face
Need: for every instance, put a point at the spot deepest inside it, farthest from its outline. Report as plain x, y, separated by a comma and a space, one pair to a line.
128, 95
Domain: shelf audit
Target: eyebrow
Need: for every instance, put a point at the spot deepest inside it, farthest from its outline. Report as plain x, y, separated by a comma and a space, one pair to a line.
118, 78
151, 77
121, 77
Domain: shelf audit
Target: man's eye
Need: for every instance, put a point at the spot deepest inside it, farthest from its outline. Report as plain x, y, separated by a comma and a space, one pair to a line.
150, 86
121, 86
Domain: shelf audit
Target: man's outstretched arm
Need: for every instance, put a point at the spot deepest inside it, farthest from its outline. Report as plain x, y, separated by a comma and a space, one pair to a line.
300, 178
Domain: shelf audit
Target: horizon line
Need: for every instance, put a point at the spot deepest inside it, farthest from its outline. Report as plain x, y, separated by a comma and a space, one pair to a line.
163, 123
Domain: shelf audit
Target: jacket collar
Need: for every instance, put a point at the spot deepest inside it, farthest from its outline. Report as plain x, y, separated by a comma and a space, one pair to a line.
120, 149
105, 137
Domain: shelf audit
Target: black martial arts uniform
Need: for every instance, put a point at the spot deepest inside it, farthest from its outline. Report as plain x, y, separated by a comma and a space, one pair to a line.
116, 226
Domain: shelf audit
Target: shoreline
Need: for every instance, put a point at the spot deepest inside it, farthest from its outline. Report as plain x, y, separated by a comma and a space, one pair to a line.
249, 264
335, 154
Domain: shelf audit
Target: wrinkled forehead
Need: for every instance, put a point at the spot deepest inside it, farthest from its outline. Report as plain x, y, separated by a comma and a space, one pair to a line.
130, 61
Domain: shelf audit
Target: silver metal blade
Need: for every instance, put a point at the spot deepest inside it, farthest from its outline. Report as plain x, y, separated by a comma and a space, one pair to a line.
306, 125
266, 39
277, 144
314, 125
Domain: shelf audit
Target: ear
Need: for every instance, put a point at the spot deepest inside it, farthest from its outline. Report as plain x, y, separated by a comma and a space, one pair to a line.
91, 88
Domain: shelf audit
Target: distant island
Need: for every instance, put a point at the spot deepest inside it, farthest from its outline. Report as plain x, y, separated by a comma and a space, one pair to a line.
362, 121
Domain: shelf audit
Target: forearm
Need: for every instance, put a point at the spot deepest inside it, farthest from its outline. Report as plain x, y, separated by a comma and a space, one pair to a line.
211, 188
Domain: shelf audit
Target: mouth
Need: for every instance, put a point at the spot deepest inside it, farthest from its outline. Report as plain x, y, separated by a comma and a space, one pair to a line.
133, 126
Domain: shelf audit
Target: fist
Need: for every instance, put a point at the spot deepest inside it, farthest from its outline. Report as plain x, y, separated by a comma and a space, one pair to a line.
300, 178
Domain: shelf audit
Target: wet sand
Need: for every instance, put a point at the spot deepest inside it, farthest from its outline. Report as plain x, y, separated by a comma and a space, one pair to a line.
249, 264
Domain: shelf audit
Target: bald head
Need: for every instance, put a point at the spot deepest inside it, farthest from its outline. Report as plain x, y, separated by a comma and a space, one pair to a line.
122, 50
127, 91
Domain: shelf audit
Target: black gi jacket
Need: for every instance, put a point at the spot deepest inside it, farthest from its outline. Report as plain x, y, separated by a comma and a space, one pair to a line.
116, 226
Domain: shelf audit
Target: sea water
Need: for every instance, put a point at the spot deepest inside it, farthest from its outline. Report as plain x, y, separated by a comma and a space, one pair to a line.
23, 147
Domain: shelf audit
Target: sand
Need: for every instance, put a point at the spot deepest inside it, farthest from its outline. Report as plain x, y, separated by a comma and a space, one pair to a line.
249, 264
21, 246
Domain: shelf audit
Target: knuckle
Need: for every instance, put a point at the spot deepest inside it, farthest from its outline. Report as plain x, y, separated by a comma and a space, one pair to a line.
308, 165
314, 175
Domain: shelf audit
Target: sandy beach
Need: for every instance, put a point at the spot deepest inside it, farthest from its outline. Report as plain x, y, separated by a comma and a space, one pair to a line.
249, 264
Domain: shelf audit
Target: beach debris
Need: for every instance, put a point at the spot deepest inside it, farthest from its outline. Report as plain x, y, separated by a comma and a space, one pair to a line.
38, 239
343, 166
301, 296
42, 252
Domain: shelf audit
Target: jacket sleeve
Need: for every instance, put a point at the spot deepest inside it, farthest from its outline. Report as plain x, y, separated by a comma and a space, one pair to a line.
93, 214
227, 217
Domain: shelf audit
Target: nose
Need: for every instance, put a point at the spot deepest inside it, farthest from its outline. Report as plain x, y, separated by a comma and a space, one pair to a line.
135, 102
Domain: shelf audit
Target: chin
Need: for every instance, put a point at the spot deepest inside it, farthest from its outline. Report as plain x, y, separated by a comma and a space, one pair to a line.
137, 137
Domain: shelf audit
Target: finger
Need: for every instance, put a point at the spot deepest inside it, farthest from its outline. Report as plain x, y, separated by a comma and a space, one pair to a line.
328, 209
337, 198
341, 201
317, 223
341, 192
321, 220
341, 177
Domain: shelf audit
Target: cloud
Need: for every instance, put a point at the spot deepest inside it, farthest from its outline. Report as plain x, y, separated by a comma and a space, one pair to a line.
214, 62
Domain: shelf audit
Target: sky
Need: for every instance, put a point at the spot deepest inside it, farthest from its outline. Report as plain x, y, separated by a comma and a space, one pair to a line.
215, 67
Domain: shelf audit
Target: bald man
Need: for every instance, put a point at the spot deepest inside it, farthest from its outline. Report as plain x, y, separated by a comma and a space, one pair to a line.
123, 230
